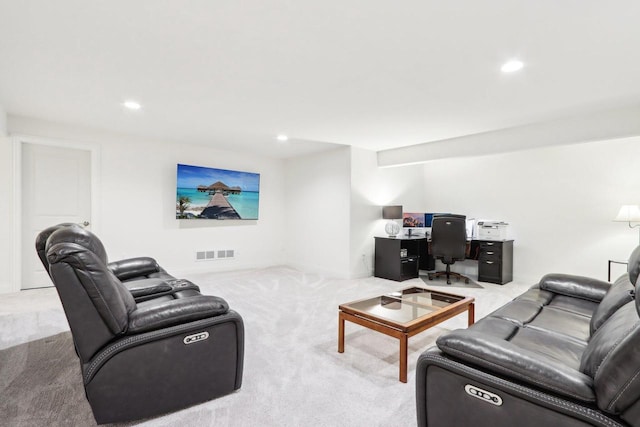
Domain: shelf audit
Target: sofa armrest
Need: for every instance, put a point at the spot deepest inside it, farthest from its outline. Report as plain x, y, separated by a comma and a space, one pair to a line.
169, 313
505, 358
575, 286
134, 267
441, 391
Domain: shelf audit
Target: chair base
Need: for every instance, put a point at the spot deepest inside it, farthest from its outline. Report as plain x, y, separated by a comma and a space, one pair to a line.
448, 273
139, 380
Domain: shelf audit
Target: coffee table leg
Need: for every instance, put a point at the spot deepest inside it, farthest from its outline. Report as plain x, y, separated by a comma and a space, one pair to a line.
340, 333
404, 342
472, 313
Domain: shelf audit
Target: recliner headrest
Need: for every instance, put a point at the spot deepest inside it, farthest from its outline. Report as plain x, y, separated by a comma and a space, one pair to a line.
633, 265
80, 236
41, 241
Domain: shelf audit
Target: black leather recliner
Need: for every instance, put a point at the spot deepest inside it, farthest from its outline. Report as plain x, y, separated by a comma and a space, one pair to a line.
142, 276
141, 358
564, 353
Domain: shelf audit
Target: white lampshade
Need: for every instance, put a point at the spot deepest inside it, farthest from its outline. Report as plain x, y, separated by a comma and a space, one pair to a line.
628, 213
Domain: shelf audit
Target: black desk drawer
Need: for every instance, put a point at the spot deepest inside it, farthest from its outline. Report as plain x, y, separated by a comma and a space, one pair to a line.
490, 256
409, 267
489, 268
491, 248
495, 261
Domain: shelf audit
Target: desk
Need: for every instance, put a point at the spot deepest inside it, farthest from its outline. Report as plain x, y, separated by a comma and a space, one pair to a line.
398, 258
401, 258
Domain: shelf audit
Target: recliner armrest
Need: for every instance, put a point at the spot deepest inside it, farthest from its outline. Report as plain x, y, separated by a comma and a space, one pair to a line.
134, 267
505, 358
169, 313
575, 286
147, 287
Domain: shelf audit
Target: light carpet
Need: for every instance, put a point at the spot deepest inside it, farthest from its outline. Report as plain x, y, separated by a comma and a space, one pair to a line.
455, 283
293, 374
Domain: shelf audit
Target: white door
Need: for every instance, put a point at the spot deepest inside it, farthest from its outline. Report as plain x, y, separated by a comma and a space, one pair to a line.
56, 187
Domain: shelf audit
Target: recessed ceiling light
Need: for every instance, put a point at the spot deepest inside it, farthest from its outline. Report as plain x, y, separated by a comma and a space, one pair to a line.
282, 137
511, 66
132, 105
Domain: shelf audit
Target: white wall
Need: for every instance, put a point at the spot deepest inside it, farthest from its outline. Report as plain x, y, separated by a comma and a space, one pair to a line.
317, 209
3, 122
319, 213
137, 201
371, 188
6, 214
559, 201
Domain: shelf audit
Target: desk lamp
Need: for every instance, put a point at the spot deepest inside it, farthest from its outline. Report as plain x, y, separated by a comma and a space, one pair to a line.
392, 213
629, 214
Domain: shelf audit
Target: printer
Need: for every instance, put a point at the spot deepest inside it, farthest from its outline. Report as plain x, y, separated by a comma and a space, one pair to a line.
492, 230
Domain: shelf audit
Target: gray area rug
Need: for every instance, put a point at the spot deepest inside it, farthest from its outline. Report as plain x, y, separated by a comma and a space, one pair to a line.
441, 281
40, 384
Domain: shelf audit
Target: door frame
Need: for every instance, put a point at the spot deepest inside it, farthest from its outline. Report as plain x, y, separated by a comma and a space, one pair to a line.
18, 142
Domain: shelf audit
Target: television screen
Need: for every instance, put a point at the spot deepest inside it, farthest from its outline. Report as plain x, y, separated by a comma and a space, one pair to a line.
413, 220
207, 193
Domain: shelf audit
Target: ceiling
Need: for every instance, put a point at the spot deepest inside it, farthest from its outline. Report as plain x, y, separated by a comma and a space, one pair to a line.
376, 74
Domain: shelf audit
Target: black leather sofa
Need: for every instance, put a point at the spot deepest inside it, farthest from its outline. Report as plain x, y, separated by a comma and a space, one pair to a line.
564, 353
141, 357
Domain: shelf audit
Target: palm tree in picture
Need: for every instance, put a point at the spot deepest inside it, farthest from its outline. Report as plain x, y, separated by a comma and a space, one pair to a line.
183, 204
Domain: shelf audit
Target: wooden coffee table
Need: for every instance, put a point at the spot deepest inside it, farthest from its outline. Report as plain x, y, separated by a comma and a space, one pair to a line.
403, 314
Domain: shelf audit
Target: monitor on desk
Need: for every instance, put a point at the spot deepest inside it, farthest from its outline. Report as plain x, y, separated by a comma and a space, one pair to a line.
414, 221
419, 223
428, 219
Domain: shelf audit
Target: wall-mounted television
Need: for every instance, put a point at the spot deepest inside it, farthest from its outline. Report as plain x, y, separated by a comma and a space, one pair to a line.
208, 193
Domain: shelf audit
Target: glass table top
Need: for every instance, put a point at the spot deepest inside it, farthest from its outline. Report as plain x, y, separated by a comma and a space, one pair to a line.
406, 305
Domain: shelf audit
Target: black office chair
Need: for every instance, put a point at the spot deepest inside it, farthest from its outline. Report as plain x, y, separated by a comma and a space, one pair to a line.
449, 243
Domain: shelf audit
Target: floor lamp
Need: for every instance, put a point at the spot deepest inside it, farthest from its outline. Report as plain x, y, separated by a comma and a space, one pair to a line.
629, 214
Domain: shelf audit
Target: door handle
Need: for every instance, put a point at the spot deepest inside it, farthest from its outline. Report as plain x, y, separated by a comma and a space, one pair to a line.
85, 223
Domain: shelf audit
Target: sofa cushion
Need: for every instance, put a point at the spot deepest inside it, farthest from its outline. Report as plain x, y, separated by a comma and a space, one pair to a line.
550, 345
550, 312
518, 311
620, 293
612, 359
579, 306
563, 322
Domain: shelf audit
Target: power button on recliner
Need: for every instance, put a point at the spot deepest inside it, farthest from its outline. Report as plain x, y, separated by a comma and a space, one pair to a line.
484, 395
